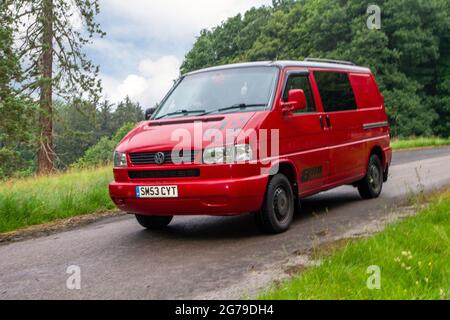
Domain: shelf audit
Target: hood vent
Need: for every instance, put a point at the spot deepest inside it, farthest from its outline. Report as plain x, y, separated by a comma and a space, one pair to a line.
180, 121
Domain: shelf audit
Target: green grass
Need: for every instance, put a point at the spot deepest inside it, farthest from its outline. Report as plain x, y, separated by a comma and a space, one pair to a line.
37, 200
413, 256
412, 143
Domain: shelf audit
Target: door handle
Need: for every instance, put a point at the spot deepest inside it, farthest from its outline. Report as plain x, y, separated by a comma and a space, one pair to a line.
328, 121
321, 122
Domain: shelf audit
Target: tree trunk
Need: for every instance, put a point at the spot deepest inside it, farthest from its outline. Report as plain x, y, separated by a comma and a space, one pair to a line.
46, 155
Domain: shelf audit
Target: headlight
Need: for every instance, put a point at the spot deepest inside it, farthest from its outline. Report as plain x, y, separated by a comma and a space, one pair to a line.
242, 153
230, 154
214, 155
120, 159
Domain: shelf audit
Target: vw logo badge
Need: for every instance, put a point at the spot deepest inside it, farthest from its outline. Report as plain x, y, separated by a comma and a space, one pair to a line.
159, 158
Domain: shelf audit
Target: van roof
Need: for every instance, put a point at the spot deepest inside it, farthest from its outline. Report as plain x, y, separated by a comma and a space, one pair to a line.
287, 63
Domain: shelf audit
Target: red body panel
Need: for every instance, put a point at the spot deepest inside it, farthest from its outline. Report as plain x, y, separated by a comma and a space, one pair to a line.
340, 146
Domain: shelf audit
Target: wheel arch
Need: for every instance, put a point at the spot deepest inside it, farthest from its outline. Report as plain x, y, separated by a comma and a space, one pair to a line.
289, 169
377, 150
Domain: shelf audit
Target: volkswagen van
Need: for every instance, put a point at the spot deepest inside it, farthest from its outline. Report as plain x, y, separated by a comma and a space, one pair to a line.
254, 138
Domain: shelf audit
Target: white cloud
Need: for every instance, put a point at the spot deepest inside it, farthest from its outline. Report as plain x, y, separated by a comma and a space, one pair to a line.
133, 86
146, 40
173, 20
154, 80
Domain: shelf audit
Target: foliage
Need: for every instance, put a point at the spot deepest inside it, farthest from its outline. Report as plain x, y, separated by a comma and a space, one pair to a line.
78, 126
102, 152
81, 125
17, 113
127, 112
10, 162
410, 54
412, 255
75, 131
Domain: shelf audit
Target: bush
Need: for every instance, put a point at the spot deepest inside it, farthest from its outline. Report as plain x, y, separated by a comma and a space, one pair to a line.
10, 162
122, 132
102, 152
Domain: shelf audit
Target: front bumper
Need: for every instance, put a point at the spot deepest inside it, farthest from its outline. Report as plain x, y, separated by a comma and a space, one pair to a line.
195, 197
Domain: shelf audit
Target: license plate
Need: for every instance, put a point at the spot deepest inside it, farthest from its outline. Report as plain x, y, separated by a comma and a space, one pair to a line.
157, 191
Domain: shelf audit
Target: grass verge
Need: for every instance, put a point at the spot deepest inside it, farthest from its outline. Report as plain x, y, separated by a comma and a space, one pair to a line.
413, 256
38, 200
413, 143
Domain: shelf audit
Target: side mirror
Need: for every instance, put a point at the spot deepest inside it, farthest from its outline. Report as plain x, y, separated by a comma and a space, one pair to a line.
149, 112
296, 101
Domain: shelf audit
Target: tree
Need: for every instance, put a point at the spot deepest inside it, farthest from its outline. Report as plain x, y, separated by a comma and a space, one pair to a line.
52, 34
17, 113
202, 55
409, 55
101, 153
76, 128
105, 118
79, 125
127, 112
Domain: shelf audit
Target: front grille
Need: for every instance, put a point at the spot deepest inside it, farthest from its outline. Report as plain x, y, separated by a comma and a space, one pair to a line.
151, 174
138, 158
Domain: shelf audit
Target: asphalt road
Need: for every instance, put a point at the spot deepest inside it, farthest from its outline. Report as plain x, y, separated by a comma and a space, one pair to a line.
203, 257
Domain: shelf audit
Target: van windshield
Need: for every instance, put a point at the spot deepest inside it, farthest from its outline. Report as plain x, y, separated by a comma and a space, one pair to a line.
220, 91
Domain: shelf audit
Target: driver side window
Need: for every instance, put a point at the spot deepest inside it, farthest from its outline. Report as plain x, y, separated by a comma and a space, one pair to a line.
300, 81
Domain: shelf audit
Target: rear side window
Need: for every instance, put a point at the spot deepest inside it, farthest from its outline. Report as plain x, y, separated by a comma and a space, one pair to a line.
300, 81
366, 91
335, 91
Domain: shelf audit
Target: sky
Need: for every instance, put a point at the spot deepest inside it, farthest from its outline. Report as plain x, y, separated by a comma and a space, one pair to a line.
147, 40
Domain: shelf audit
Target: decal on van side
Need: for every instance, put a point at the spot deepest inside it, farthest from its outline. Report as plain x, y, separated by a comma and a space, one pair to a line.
312, 174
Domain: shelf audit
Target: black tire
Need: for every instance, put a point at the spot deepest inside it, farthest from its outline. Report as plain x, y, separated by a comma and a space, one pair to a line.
371, 185
277, 211
153, 222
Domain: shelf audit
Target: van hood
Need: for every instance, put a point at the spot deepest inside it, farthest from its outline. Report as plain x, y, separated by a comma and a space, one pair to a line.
162, 135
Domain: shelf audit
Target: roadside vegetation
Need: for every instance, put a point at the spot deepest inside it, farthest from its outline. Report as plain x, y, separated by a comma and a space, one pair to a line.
413, 256
414, 143
83, 189
38, 200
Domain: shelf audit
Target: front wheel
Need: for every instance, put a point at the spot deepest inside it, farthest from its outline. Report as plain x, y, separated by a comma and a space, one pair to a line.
277, 212
371, 185
153, 222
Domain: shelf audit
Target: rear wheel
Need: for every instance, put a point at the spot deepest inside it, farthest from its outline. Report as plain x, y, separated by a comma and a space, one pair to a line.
277, 212
371, 185
153, 222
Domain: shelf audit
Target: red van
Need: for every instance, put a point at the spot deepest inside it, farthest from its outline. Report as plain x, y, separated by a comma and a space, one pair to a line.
254, 138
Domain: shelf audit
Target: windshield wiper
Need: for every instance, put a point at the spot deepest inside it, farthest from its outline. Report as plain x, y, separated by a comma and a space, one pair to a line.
236, 106
183, 112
